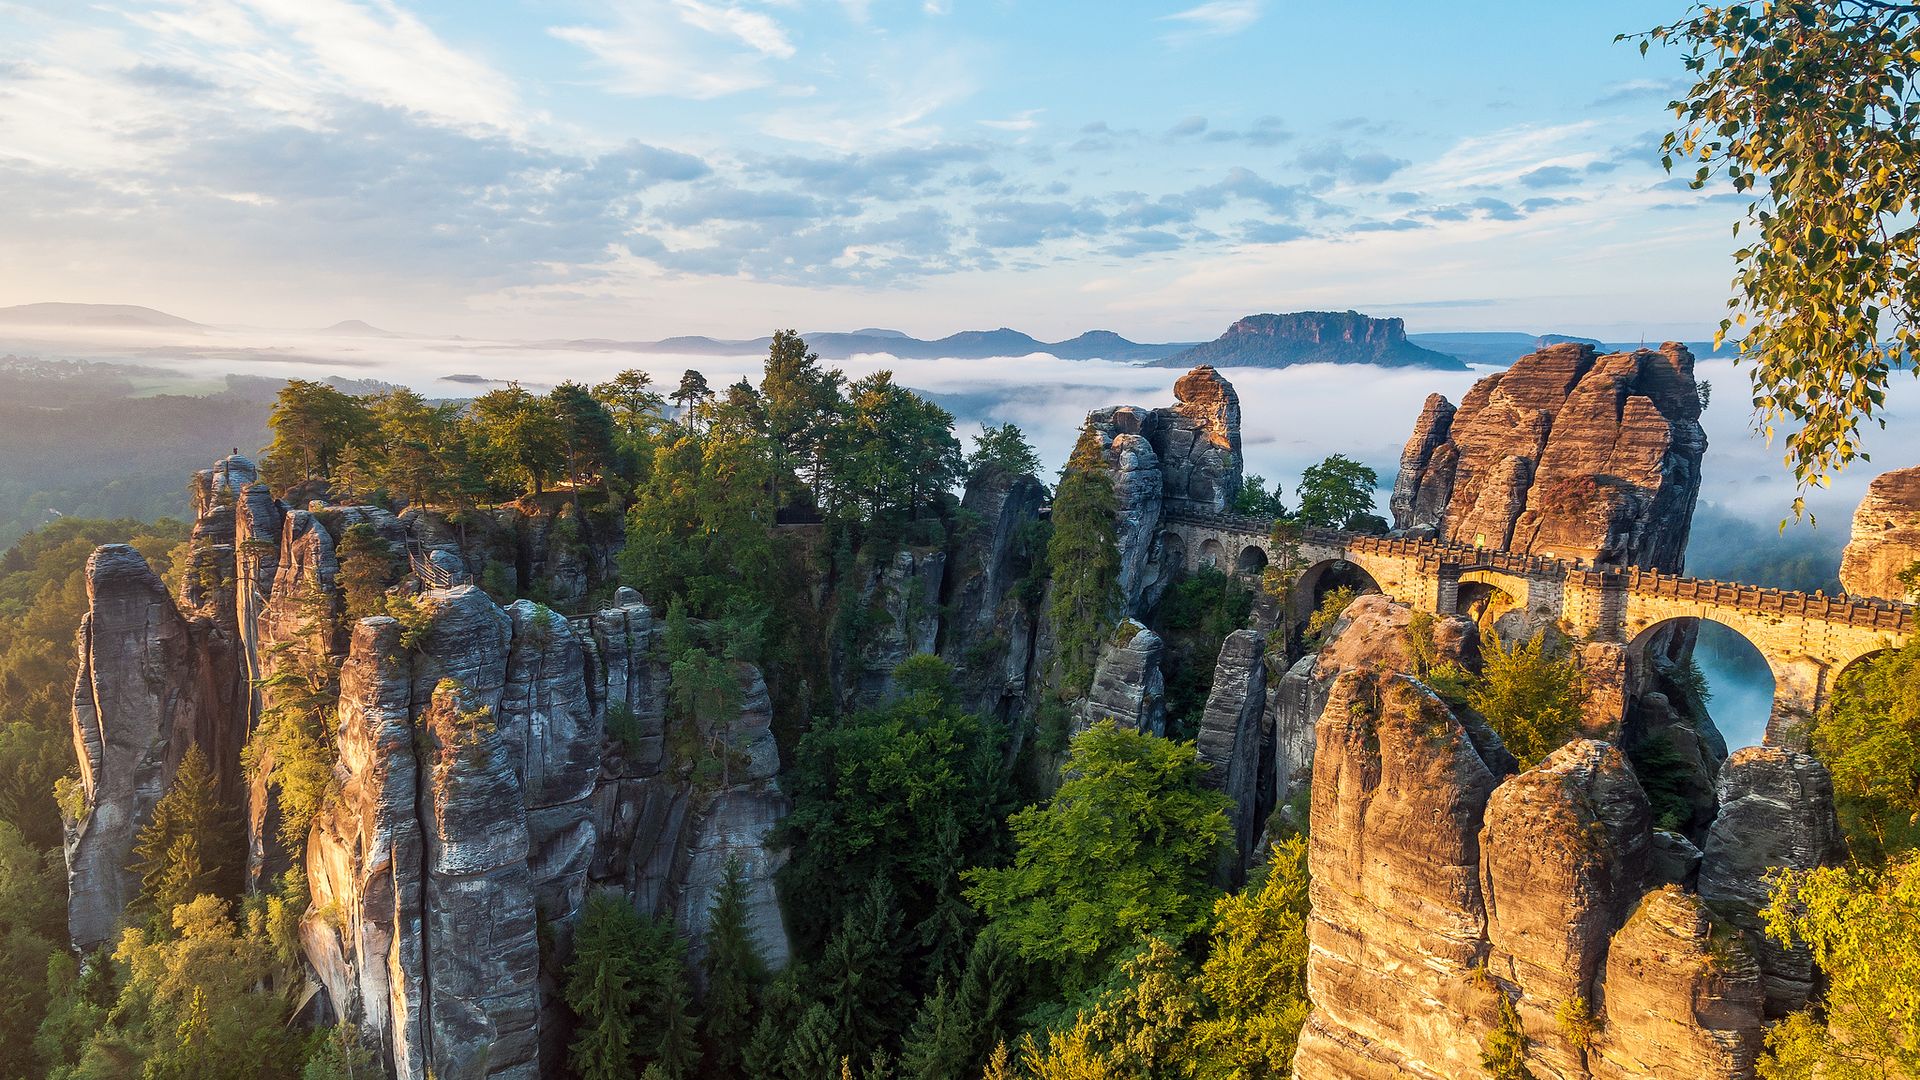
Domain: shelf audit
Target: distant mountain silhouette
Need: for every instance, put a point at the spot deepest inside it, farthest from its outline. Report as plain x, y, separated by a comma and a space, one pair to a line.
356, 328
59, 314
965, 345
1312, 337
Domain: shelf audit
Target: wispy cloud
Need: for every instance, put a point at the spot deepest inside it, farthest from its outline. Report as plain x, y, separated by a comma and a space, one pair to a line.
682, 48
374, 51
755, 29
1216, 18
1024, 120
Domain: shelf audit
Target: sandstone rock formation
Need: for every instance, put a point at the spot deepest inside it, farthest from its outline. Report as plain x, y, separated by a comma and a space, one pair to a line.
1183, 458
1398, 925
136, 707
1370, 633
1563, 854
493, 764
1886, 537
1128, 687
1439, 888
1568, 453
1776, 811
1679, 996
902, 599
1230, 738
988, 632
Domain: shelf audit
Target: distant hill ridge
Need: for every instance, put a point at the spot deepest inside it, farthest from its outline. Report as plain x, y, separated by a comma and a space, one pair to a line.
965, 345
64, 314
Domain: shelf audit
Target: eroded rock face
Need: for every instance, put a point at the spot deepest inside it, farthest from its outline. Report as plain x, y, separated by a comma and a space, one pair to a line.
1184, 458
1128, 687
1229, 741
1138, 488
1776, 811
136, 707
1886, 537
1680, 997
425, 857
1564, 851
1568, 453
1439, 889
1198, 441
988, 631
1417, 462
903, 592
1398, 923
1370, 633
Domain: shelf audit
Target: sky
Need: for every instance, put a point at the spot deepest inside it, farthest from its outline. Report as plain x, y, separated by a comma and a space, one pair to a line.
546, 168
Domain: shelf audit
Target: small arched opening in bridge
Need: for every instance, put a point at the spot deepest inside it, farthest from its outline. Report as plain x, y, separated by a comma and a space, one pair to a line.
1211, 554
1251, 561
1489, 605
1173, 552
1325, 583
1699, 667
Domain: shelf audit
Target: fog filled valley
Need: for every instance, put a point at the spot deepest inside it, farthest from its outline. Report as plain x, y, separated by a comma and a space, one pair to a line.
166, 398
597, 711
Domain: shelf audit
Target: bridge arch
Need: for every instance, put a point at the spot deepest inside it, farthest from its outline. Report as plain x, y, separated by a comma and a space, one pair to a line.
1211, 553
1485, 596
1173, 551
1747, 683
1251, 560
1320, 580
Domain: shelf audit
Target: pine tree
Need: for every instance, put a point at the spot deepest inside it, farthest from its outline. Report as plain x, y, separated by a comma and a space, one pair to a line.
958, 1025
366, 569
802, 404
606, 985
678, 1051
859, 976
735, 973
813, 1053
191, 846
1085, 558
780, 1013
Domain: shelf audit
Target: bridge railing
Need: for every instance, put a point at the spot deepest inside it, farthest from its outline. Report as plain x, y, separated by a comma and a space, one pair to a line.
1868, 612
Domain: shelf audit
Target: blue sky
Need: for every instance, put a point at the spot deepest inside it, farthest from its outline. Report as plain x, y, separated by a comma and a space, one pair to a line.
637, 169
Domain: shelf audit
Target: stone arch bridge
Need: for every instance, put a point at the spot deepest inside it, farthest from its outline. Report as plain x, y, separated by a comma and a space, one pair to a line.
1807, 639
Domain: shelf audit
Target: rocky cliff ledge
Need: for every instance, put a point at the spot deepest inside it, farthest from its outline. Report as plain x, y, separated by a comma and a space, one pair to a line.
493, 764
1453, 897
1565, 453
1182, 458
1886, 537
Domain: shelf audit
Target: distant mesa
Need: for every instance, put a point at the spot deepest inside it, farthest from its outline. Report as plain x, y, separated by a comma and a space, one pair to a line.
472, 380
356, 328
92, 315
1313, 337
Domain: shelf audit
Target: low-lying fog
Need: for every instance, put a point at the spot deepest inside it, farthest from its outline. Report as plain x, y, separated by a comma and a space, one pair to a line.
1291, 418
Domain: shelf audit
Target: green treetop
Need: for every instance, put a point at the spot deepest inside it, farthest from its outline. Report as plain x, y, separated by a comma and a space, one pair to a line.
1336, 492
1123, 850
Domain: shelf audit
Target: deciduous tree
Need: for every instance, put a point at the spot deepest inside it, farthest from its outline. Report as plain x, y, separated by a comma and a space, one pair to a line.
1813, 109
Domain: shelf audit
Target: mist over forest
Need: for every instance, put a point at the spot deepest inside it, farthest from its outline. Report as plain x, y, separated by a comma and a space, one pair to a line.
104, 424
